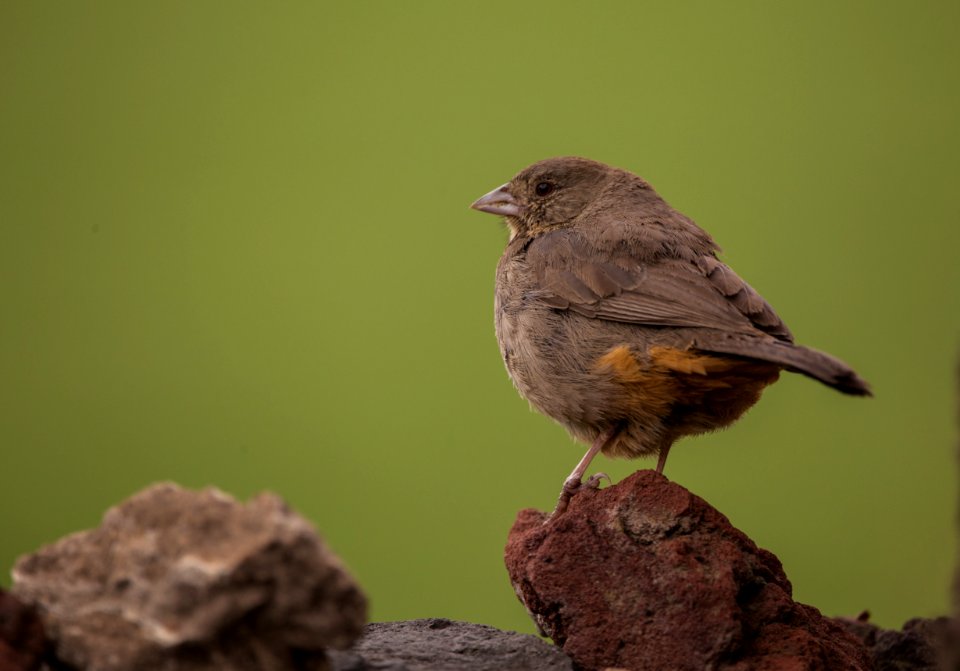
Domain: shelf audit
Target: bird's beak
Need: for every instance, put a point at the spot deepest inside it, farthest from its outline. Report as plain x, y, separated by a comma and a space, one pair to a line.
499, 201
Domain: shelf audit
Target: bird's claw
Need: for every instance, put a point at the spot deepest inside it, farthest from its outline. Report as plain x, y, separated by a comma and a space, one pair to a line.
593, 482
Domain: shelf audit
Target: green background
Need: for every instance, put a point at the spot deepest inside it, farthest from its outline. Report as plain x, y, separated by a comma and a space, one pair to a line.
235, 248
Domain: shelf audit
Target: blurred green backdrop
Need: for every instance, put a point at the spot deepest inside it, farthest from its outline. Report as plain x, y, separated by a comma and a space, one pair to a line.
235, 248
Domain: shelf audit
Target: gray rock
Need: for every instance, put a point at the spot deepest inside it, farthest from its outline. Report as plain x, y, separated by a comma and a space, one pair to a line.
921, 645
180, 579
443, 645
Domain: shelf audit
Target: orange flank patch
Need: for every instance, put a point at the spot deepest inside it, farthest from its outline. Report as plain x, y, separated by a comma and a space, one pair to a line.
684, 361
665, 393
651, 388
621, 362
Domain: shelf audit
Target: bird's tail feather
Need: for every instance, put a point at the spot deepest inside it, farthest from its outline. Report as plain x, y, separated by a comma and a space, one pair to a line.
812, 363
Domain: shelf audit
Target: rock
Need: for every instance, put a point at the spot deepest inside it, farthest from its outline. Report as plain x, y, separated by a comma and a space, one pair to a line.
922, 644
22, 640
442, 645
645, 575
180, 579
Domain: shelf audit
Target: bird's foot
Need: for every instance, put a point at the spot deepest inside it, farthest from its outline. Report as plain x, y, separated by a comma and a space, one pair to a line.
570, 487
593, 482
573, 485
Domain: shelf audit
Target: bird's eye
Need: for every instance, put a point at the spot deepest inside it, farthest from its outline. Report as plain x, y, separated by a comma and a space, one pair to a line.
543, 188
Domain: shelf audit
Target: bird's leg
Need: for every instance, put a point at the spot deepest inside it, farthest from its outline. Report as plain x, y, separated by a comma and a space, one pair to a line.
574, 480
662, 461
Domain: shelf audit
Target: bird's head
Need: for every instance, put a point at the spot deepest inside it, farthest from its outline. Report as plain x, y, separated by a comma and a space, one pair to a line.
547, 195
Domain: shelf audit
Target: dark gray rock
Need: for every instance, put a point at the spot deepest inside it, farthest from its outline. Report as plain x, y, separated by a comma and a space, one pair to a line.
187, 580
443, 645
922, 644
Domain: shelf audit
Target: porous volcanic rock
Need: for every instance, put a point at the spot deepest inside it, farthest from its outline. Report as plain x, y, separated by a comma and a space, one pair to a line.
645, 575
443, 645
180, 579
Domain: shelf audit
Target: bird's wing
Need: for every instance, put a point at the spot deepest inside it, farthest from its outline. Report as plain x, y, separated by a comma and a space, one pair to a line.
573, 275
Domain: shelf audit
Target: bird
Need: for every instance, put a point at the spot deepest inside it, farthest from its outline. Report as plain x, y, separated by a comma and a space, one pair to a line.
616, 317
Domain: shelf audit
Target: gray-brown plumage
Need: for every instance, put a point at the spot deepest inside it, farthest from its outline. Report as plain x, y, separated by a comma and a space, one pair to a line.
615, 317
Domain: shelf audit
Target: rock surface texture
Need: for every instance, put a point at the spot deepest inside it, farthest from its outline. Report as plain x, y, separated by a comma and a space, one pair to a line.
180, 579
645, 575
922, 644
443, 645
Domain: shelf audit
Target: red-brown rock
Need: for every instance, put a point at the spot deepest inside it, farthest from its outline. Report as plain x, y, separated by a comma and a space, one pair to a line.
646, 575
